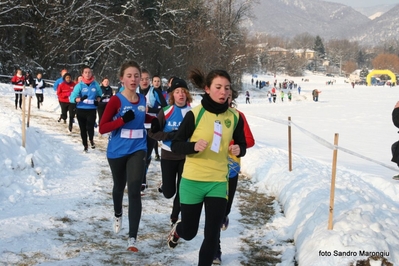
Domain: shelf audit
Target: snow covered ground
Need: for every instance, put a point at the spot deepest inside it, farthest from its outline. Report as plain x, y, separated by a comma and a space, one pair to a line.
56, 207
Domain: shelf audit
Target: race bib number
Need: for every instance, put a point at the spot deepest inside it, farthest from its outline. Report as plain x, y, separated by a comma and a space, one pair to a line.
132, 133
217, 136
88, 101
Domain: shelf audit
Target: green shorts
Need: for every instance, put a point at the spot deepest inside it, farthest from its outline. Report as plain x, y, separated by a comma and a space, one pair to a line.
193, 192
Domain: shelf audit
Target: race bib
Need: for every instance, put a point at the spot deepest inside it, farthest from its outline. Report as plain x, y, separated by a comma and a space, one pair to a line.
132, 133
217, 136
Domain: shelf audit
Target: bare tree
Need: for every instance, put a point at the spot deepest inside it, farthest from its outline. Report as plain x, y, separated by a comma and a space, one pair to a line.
340, 51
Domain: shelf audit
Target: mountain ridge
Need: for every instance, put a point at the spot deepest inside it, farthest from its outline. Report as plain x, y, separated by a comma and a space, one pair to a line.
287, 18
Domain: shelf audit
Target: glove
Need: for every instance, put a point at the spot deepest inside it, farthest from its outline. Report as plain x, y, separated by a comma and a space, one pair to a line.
84, 97
95, 103
171, 135
155, 127
128, 116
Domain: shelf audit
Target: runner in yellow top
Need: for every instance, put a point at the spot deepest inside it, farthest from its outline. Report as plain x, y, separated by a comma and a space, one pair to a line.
204, 136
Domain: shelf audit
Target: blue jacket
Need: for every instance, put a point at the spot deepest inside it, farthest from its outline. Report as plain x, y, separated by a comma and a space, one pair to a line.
92, 91
57, 82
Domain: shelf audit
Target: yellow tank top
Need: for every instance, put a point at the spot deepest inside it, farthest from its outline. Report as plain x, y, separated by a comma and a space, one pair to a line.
210, 166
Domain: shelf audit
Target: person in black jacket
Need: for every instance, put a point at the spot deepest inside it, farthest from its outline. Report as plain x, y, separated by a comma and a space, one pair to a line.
395, 146
107, 93
29, 82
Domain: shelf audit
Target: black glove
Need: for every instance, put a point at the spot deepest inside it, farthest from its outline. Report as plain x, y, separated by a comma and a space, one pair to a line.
95, 103
128, 116
155, 127
171, 135
84, 97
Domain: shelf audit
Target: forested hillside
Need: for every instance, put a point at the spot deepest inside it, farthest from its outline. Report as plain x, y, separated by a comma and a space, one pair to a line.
165, 37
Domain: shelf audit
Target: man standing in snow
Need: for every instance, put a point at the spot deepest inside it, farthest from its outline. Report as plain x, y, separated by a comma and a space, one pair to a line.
315, 94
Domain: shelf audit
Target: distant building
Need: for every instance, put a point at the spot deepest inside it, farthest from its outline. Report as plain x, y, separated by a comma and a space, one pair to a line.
306, 53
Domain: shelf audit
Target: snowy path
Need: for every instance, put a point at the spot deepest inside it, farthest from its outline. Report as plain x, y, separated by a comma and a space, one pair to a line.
68, 220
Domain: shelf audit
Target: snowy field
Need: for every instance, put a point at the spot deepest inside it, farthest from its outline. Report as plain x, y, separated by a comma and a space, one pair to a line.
56, 207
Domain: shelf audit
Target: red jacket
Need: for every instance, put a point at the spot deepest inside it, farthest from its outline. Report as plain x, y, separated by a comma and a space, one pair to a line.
249, 138
20, 81
64, 90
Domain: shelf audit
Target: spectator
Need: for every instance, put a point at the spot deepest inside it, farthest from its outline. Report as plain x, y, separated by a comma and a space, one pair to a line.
247, 96
315, 94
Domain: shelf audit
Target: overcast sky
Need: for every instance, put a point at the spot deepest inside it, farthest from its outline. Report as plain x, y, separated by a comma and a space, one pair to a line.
365, 3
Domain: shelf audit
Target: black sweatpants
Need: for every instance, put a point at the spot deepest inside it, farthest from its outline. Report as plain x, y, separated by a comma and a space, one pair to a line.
171, 176
128, 170
68, 109
188, 228
86, 119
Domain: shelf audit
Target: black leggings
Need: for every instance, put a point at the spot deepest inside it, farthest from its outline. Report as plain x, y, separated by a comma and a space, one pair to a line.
232, 190
100, 111
172, 169
40, 99
86, 119
128, 169
18, 96
188, 228
150, 147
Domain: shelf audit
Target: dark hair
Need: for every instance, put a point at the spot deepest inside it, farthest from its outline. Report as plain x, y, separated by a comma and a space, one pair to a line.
198, 78
234, 95
67, 74
104, 79
128, 64
155, 76
83, 68
145, 71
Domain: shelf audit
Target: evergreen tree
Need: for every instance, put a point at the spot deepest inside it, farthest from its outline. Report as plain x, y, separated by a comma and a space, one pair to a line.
319, 47
363, 73
360, 58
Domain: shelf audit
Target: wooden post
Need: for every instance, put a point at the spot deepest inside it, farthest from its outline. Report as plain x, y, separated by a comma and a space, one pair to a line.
23, 118
332, 192
29, 107
289, 145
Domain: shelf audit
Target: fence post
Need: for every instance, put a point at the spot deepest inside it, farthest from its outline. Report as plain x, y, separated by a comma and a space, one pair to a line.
23, 117
332, 192
29, 107
289, 145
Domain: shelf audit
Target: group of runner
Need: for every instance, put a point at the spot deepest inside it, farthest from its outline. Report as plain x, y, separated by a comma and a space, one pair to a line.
199, 167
